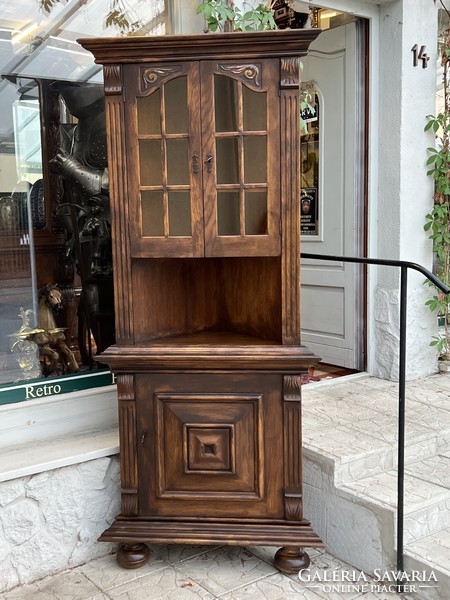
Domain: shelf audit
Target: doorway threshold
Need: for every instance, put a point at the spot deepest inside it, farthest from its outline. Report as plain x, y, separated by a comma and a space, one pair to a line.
324, 372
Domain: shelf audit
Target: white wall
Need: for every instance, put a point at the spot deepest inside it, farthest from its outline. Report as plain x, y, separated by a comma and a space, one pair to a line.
51, 521
405, 192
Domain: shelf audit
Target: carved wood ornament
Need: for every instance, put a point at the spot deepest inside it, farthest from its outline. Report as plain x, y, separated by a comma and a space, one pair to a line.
250, 74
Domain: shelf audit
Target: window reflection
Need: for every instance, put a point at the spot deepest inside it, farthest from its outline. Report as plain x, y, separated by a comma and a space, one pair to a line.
56, 292
309, 170
20, 200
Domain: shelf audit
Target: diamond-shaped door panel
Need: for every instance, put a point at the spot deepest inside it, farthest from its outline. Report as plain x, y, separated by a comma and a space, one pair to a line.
209, 445
209, 448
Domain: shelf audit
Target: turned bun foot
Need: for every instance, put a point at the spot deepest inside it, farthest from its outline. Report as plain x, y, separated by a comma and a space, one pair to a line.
291, 560
132, 556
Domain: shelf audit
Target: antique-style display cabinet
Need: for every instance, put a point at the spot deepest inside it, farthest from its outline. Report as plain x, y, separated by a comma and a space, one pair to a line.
203, 143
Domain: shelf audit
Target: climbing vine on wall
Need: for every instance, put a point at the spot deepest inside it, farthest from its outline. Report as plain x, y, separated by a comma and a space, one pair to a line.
438, 219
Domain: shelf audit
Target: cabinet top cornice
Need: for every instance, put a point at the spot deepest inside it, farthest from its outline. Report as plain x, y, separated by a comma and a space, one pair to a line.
249, 44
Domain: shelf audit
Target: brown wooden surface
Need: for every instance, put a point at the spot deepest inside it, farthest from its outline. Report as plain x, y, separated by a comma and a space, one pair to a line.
227, 531
170, 405
128, 444
224, 351
290, 195
118, 161
292, 435
250, 291
183, 296
164, 246
174, 297
253, 44
242, 245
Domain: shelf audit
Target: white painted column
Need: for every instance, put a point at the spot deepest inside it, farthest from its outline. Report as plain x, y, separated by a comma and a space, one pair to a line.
183, 18
405, 192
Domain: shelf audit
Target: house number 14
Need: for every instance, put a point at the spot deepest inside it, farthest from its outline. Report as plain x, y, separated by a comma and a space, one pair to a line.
420, 54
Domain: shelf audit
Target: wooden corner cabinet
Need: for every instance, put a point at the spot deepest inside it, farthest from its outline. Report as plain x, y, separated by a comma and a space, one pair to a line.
203, 143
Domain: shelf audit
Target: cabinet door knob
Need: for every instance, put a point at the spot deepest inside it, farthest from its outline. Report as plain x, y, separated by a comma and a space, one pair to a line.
209, 162
195, 164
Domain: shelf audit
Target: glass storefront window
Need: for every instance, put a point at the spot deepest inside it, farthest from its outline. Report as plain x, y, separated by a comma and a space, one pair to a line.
56, 285
21, 174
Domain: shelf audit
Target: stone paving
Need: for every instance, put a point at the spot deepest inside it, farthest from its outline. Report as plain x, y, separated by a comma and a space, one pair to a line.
189, 572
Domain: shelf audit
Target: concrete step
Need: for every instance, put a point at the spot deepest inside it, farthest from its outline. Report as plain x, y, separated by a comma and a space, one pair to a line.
432, 554
426, 505
353, 424
350, 455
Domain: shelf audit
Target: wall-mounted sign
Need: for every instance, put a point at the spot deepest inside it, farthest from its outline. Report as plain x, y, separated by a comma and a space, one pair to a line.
309, 212
53, 386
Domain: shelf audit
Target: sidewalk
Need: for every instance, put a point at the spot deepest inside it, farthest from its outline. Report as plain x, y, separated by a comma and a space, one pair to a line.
189, 572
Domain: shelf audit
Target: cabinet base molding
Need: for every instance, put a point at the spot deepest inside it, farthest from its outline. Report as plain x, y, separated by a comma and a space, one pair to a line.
138, 531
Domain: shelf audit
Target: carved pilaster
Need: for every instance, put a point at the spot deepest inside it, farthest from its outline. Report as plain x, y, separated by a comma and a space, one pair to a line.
290, 198
118, 193
128, 444
292, 416
290, 72
113, 79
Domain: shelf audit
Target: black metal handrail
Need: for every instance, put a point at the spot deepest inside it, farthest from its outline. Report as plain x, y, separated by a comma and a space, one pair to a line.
404, 266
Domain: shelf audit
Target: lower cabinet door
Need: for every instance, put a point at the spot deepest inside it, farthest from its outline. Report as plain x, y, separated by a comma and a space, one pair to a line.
211, 446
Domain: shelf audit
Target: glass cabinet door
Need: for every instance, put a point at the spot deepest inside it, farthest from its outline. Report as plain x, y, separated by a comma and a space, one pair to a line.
240, 158
165, 177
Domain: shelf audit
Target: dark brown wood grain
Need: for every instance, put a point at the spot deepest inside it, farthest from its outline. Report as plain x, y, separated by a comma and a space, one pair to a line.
208, 350
251, 44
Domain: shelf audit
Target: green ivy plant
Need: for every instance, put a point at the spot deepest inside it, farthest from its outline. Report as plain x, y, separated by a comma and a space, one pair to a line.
438, 220
223, 15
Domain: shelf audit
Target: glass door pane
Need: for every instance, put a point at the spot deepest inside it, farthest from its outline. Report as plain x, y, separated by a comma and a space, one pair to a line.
242, 181
168, 219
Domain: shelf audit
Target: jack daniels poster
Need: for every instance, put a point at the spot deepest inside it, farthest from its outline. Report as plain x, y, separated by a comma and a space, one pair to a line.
308, 211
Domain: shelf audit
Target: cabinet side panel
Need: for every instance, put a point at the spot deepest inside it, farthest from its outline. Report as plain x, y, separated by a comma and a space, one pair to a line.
117, 157
290, 195
174, 297
250, 296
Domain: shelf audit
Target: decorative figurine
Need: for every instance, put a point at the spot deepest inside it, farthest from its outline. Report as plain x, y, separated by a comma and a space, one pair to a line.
51, 339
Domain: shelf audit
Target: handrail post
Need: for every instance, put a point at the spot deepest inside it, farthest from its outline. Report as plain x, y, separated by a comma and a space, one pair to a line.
401, 419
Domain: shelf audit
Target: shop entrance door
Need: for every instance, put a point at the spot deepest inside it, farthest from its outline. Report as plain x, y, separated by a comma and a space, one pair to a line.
332, 292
